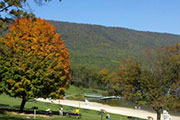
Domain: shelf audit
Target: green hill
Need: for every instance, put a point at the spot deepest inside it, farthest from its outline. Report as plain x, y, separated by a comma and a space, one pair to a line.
101, 46
105, 46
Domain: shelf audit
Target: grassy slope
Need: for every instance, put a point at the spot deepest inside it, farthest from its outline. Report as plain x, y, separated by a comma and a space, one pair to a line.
77, 93
9, 102
73, 90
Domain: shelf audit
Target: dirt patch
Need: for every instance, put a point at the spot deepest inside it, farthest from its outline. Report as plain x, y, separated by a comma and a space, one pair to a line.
32, 115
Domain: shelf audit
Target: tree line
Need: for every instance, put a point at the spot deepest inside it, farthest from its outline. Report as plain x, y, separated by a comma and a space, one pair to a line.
89, 77
158, 87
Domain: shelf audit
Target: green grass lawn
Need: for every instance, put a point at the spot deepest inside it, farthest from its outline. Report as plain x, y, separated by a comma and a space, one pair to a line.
80, 90
77, 93
6, 116
13, 103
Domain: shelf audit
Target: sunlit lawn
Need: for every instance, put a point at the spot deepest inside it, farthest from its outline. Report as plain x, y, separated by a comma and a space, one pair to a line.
13, 103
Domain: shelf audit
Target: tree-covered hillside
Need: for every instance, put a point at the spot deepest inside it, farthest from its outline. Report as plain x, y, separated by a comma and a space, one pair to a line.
105, 46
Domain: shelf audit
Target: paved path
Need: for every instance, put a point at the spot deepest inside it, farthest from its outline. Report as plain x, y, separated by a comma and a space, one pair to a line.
110, 109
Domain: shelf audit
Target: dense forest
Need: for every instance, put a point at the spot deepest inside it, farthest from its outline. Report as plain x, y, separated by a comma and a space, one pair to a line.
105, 47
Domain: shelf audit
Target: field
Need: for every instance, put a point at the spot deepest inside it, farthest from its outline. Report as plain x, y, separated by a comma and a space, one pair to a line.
7, 102
79, 92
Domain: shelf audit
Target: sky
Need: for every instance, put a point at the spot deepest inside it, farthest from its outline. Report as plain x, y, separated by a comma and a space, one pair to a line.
144, 15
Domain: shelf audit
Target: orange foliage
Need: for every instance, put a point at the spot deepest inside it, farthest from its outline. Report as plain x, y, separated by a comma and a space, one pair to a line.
36, 37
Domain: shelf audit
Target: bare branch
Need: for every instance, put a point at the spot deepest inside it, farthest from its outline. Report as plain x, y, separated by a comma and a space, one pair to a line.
5, 8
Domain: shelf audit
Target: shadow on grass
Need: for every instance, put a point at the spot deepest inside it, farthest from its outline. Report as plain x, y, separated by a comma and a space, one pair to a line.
16, 106
2, 112
7, 117
26, 111
4, 105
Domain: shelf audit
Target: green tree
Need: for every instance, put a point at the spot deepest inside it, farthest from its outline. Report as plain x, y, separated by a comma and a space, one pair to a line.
168, 70
34, 61
146, 87
84, 76
89, 77
128, 75
10, 9
103, 77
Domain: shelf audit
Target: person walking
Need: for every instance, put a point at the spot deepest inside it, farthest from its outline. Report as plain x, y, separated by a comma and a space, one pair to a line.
61, 111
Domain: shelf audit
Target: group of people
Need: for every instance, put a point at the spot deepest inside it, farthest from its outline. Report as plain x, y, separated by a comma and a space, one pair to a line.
67, 111
76, 111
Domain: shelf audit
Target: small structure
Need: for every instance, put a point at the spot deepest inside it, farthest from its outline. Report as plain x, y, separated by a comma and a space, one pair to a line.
35, 108
166, 115
87, 102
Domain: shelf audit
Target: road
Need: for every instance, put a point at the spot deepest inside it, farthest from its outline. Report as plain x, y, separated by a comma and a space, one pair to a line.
107, 108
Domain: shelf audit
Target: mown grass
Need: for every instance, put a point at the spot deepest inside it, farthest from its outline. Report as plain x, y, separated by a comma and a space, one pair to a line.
13, 103
77, 93
73, 90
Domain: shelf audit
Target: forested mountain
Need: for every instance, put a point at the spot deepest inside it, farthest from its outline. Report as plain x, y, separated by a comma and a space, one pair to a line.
105, 46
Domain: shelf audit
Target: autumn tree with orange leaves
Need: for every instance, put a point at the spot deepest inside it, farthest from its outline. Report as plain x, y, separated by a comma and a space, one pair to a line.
34, 61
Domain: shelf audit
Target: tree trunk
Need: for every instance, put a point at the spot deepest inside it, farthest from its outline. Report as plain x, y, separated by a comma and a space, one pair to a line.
158, 115
169, 90
22, 105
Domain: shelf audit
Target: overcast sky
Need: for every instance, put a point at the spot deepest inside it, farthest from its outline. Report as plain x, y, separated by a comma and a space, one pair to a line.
144, 15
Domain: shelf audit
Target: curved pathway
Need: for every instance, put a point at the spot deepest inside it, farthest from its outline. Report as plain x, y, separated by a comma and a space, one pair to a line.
110, 109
